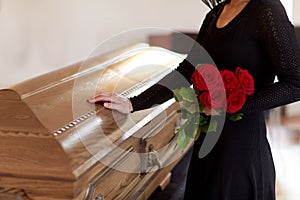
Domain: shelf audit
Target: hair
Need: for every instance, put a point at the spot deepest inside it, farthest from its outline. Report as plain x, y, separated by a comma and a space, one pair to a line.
212, 3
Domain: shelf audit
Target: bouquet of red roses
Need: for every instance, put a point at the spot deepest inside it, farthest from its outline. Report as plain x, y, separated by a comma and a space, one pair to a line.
214, 92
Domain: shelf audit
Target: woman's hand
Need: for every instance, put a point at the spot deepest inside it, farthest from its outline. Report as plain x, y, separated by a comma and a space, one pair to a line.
113, 101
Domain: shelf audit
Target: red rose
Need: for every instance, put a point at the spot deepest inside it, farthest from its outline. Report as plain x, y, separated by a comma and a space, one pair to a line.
206, 76
235, 100
230, 80
218, 98
245, 80
205, 99
215, 99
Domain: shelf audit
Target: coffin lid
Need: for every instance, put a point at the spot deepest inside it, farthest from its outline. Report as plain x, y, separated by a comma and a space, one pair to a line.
40, 116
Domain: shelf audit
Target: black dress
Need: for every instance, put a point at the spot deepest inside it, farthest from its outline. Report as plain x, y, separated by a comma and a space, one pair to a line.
261, 39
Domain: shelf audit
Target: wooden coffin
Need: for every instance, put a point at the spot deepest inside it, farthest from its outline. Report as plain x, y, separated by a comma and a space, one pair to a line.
56, 145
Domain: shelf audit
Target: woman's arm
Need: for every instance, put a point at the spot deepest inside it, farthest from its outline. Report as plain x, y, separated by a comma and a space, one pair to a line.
163, 90
278, 38
181, 76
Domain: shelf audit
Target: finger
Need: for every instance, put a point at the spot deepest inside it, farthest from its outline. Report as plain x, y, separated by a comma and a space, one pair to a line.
122, 108
115, 98
100, 97
114, 106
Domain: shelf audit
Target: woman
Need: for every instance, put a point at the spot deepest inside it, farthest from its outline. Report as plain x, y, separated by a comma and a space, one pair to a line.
255, 35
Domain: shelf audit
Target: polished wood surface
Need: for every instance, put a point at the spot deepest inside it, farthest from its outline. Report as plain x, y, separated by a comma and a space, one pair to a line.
55, 145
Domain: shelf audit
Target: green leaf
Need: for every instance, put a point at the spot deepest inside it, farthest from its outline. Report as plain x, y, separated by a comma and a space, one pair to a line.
182, 139
191, 129
192, 107
182, 127
184, 113
201, 107
197, 91
188, 94
203, 119
197, 134
192, 117
236, 117
212, 126
177, 95
204, 128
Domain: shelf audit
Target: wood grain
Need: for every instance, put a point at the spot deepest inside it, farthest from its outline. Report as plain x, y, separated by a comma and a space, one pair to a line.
55, 145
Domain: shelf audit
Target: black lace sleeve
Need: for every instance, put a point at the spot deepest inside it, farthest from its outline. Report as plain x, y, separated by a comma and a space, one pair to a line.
278, 38
162, 91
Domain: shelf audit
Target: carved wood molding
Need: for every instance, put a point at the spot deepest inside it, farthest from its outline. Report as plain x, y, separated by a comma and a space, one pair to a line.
130, 92
24, 134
